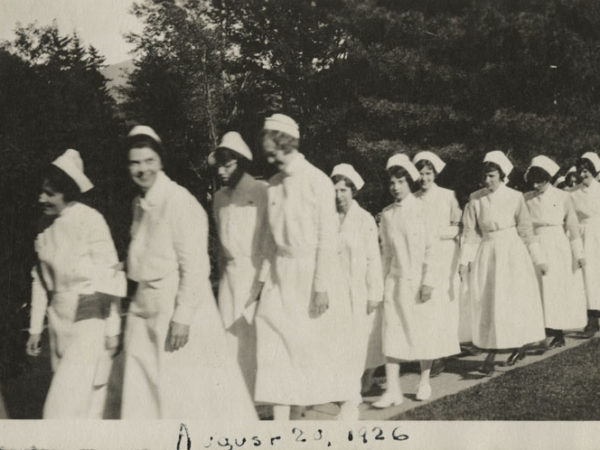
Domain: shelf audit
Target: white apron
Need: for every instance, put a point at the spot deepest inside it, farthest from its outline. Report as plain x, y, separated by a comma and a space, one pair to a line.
586, 201
77, 256
169, 260
240, 217
562, 288
361, 262
411, 327
302, 359
443, 213
506, 308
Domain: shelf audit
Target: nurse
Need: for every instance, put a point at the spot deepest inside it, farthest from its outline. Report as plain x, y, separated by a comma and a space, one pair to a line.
76, 283
586, 199
444, 215
361, 262
506, 305
303, 319
413, 301
572, 178
239, 209
552, 214
178, 364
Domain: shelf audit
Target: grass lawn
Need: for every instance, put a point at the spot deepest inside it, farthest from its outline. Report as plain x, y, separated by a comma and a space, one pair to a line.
563, 387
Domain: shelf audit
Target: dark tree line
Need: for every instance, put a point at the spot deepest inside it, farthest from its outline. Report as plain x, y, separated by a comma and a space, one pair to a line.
364, 78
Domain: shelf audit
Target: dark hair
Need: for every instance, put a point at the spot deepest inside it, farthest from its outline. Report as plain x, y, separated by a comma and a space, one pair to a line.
62, 183
569, 176
584, 163
489, 166
537, 175
141, 140
223, 155
283, 141
337, 178
401, 172
425, 163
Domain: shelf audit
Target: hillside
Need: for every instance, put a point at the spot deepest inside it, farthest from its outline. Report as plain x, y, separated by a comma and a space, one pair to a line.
117, 74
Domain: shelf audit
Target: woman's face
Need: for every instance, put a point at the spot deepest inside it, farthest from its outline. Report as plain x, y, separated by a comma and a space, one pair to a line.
427, 177
274, 155
399, 187
492, 180
586, 176
343, 196
52, 202
540, 186
144, 165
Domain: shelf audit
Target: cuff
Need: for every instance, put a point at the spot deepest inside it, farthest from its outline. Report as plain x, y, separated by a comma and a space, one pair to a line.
577, 248
450, 232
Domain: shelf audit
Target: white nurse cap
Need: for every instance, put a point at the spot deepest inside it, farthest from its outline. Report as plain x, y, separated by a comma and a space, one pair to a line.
233, 141
545, 163
434, 159
348, 171
498, 157
403, 161
283, 123
70, 162
593, 158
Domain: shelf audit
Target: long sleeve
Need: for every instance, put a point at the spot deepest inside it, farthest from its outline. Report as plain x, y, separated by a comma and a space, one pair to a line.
430, 260
108, 278
374, 270
39, 303
112, 324
452, 229
470, 235
386, 247
190, 240
573, 230
525, 230
326, 235
220, 251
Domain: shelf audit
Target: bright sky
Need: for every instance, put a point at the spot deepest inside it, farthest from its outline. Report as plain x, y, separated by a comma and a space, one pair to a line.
100, 23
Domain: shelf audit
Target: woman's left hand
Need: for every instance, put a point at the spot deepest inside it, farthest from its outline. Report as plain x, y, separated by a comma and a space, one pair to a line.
112, 344
177, 337
425, 293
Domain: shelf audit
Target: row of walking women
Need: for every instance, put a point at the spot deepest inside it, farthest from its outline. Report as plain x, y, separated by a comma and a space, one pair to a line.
312, 296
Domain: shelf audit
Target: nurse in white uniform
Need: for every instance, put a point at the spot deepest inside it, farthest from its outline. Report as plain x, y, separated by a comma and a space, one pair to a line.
586, 199
303, 319
78, 285
178, 362
239, 208
506, 307
444, 213
413, 301
555, 224
361, 261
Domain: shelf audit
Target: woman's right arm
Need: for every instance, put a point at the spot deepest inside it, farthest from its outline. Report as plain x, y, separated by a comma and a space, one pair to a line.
39, 303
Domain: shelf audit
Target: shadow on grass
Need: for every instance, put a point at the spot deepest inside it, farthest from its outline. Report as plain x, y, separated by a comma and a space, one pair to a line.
565, 386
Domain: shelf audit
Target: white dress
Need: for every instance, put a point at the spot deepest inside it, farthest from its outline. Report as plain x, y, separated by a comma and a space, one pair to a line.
443, 214
586, 201
303, 359
240, 217
168, 258
361, 260
506, 307
77, 257
411, 327
562, 287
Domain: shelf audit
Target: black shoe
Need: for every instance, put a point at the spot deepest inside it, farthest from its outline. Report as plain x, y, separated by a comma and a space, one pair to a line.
487, 368
557, 342
515, 356
437, 367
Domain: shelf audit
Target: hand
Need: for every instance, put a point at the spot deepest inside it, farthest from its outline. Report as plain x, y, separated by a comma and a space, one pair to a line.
425, 293
372, 307
542, 269
320, 303
112, 344
462, 272
177, 336
33, 346
581, 263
